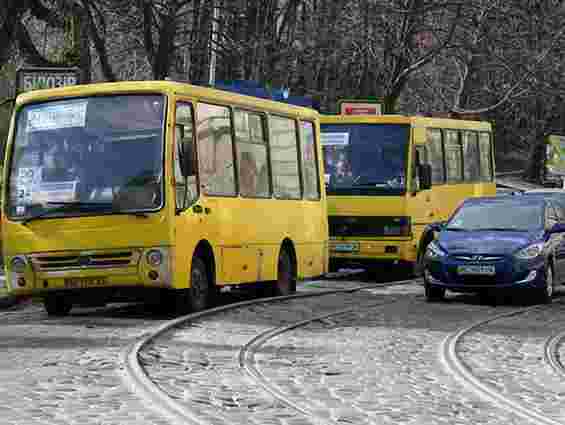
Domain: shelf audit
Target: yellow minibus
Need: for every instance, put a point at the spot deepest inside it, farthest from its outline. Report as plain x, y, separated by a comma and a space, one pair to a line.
388, 177
161, 190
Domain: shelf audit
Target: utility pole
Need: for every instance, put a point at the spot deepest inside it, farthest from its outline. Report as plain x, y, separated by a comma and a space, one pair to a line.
214, 38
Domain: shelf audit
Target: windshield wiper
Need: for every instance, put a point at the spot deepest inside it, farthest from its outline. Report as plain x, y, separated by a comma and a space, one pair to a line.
457, 229
66, 206
500, 229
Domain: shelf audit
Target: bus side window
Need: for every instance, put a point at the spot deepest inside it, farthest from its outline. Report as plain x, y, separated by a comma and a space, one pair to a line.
185, 186
453, 157
471, 156
435, 146
485, 154
251, 146
284, 157
310, 174
215, 150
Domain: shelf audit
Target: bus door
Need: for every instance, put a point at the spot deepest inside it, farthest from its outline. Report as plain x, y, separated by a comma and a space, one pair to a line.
423, 208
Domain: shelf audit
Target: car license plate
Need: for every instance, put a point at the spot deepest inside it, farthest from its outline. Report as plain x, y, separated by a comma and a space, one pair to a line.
346, 247
476, 270
83, 282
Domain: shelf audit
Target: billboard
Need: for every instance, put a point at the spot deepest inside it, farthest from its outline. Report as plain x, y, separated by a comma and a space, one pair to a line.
45, 78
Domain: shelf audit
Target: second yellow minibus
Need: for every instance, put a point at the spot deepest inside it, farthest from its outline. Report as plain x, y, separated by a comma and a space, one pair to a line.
388, 177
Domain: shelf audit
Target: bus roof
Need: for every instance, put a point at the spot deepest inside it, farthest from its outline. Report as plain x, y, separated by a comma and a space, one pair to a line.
165, 87
415, 121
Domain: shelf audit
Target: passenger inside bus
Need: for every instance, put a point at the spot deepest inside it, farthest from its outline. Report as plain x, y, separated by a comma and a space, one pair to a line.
247, 175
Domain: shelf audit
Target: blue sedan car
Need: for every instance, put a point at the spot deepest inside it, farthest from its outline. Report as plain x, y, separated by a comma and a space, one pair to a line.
498, 243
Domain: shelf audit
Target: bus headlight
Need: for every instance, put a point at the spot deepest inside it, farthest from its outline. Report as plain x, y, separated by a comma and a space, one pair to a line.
154, 258
18, 265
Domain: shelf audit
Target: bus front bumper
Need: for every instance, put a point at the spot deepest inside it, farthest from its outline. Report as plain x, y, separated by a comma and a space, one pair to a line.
389, 250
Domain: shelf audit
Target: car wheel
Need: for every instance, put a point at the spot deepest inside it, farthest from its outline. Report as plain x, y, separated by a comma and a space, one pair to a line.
418, 267
57, 305
546, 293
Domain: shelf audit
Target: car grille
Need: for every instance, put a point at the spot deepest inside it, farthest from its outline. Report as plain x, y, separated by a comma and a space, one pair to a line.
90, 260
368, 226
479, 258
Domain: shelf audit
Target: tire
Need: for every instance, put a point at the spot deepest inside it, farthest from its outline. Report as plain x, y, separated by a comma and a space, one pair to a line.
57, 305
199, 293
433, 293
545, 294
418, 267
286, 279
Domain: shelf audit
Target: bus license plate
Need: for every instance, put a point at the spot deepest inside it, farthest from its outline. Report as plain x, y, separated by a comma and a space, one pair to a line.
346, 247
476, 270
83, 282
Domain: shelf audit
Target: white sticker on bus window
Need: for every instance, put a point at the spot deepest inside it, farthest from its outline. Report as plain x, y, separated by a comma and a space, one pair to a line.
327, 178
64, 191
57, 117
334, 139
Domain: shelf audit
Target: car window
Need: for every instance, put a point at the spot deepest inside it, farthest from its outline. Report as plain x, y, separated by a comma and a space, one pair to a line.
509, 216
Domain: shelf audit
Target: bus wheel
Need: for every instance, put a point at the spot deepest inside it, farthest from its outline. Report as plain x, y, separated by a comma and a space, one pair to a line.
199, 291
286, 280
57, 305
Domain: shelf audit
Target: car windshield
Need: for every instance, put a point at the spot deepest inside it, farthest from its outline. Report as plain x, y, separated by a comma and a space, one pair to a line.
367, 158
497, 216
102, 152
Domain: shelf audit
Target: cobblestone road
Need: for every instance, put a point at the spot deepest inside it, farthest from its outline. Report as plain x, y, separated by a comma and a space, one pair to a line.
377, 365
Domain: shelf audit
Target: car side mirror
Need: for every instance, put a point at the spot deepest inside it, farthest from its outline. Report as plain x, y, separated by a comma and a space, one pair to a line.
425, 175
557, 228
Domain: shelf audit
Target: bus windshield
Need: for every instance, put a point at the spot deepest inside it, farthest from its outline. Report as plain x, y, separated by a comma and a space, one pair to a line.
365, 158
91, 155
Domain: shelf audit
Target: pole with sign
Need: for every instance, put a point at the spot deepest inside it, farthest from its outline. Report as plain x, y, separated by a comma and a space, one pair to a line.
360, 107
45, 78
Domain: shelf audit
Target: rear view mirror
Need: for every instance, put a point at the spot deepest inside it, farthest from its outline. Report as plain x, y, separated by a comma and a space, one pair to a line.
425, 175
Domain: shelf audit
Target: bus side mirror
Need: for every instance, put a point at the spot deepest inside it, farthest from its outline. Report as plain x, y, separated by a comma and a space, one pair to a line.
185, 152
425, 175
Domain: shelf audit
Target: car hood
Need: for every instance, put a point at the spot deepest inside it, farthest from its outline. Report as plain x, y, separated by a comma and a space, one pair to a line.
486, 242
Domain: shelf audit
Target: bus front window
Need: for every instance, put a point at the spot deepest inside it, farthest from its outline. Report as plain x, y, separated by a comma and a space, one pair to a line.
92, 155
368, 158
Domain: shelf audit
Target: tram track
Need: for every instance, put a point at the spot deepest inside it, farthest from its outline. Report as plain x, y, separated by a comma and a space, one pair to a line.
464, 374
177, 412
551, 354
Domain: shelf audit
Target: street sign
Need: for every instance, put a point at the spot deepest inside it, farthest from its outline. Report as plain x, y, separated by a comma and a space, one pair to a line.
45, 78
359, 107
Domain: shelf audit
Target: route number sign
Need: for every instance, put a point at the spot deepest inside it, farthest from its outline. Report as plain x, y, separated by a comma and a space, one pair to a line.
45, 78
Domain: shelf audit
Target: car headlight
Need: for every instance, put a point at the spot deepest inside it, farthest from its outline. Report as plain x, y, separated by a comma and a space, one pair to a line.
529, 252
433, 251
18, 265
